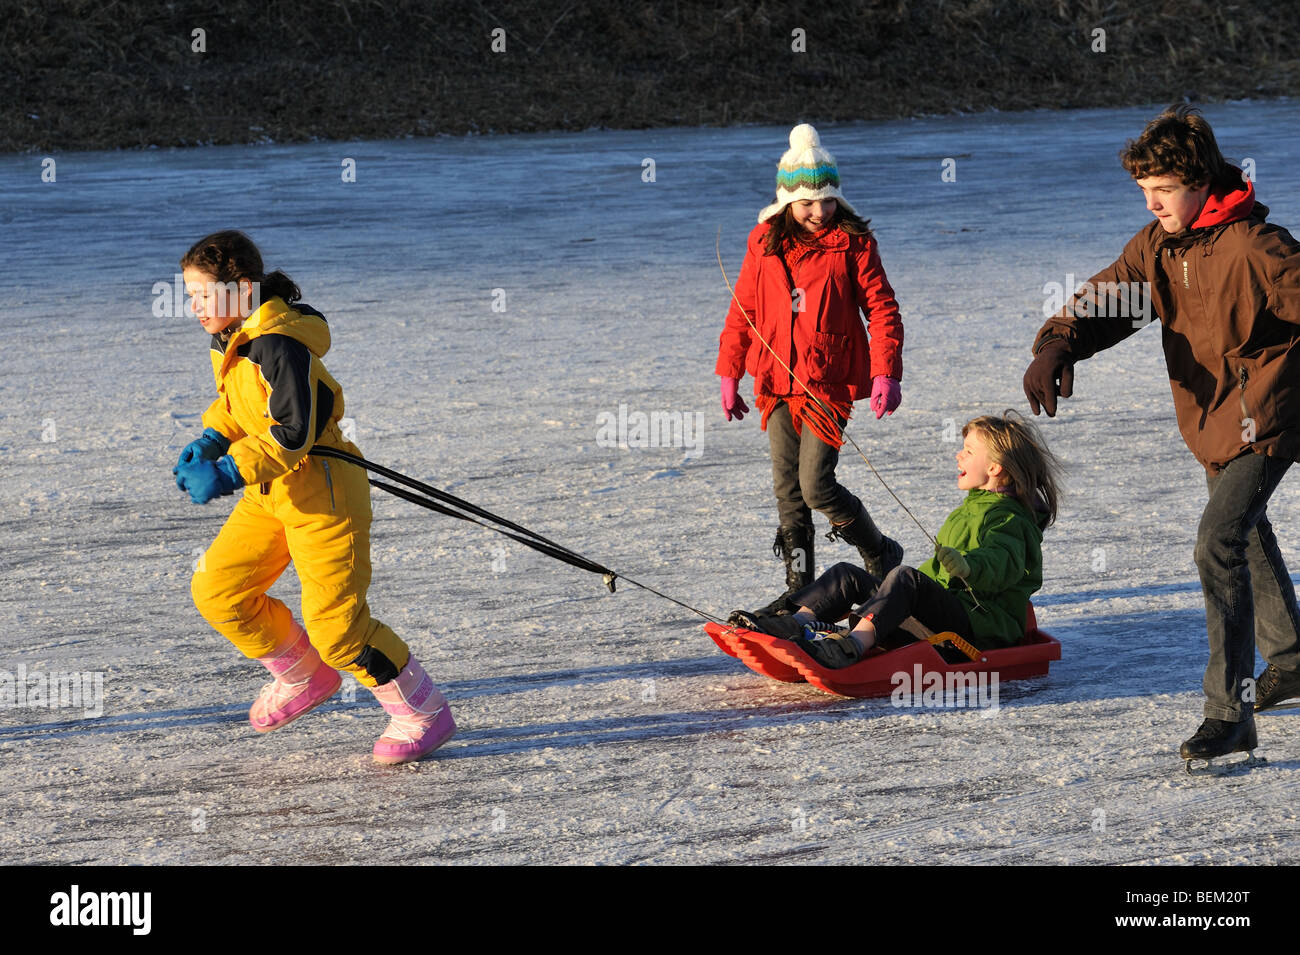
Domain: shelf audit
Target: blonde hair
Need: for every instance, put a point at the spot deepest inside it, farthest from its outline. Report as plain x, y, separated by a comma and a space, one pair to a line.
1015, 444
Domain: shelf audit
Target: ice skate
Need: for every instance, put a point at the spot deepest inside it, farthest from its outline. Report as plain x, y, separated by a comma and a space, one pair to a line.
1277, 689
1217, 738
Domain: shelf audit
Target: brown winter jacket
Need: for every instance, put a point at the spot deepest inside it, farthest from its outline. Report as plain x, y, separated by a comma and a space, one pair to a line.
1227, 296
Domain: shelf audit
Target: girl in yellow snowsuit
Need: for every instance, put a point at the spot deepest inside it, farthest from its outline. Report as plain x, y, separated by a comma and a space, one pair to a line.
275, 401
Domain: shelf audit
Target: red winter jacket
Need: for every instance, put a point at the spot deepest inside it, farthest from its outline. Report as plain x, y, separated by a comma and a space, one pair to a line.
825, 344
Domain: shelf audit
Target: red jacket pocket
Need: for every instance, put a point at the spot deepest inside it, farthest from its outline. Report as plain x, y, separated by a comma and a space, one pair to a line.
829, 358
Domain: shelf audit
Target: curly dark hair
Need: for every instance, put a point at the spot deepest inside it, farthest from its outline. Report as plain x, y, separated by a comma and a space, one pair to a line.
230, 256
1178, 142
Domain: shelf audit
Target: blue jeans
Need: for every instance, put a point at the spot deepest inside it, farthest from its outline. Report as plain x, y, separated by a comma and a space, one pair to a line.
1249, 599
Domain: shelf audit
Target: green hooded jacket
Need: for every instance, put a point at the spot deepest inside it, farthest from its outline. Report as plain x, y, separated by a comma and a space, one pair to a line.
1002, 543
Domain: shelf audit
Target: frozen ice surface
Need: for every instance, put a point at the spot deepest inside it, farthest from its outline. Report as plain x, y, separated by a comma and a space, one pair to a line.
597, 727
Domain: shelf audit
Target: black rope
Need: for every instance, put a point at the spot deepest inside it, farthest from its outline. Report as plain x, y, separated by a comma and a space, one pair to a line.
560, 554
432, 492
528, 538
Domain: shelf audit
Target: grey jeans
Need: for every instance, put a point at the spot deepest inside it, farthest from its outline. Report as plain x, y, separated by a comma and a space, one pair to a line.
803, 474
1249, 599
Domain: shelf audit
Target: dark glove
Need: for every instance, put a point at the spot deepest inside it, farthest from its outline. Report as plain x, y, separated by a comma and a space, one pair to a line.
208, 446
205, 479
1053, 363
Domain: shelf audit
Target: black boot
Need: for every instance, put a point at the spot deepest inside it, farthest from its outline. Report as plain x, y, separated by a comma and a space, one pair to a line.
1277, 689
880, 554
1219, 738
794, 545
783, 625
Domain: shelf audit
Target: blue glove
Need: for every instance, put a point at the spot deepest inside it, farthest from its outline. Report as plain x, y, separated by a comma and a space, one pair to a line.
209, 446
205, 479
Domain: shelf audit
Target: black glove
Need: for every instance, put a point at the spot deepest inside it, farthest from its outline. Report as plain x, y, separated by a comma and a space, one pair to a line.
1053, 363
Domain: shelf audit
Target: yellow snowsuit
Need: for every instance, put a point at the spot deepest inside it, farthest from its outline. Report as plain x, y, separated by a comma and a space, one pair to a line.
275, 400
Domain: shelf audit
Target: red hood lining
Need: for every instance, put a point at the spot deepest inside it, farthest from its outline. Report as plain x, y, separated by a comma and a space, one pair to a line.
1227, 204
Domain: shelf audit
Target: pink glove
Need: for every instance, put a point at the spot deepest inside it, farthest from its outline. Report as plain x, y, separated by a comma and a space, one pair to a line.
732, 403
886, 393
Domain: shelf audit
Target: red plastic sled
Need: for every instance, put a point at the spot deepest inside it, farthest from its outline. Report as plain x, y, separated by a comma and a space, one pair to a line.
874, 674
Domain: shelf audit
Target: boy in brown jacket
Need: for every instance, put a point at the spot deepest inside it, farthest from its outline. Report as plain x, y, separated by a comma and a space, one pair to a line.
1225, 286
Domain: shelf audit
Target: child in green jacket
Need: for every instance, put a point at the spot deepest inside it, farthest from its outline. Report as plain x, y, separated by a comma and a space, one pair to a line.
987, 563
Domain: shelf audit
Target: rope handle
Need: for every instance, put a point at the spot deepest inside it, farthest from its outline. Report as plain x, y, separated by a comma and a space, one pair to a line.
957, 641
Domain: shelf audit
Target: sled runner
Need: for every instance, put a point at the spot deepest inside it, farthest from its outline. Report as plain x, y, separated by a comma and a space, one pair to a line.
874, 675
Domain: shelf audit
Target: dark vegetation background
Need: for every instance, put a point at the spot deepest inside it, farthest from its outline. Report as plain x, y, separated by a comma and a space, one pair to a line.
79, 74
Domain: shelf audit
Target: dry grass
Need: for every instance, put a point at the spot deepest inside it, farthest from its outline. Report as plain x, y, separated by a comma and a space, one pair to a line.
81, 74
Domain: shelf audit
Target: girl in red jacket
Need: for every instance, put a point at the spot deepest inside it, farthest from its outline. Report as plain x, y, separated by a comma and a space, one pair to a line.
810, 265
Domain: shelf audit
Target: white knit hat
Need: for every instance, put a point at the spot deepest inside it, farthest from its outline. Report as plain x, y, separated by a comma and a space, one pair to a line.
806, 171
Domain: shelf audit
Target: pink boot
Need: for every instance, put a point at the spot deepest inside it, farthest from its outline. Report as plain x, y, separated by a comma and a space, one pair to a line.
302, 682
421, 719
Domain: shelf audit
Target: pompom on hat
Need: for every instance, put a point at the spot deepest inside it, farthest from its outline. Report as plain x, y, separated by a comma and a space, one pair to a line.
806, 171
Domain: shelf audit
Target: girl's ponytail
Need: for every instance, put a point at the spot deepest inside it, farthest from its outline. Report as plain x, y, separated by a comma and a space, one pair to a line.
279, 284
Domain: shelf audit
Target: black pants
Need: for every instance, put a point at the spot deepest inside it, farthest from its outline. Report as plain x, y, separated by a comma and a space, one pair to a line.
905, 592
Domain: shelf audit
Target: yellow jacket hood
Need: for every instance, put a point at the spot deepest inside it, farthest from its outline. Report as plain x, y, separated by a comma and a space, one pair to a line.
300, 322
274, 397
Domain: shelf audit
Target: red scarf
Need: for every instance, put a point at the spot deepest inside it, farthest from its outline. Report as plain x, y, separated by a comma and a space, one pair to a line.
803, 410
